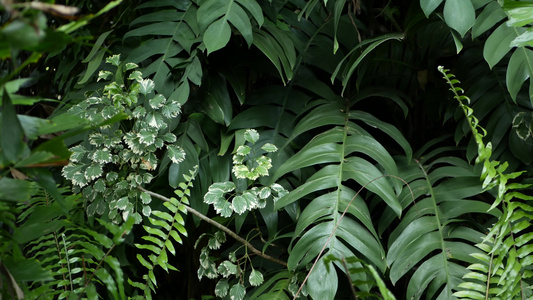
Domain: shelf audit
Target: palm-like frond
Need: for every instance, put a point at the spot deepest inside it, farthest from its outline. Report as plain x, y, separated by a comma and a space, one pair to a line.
339, 154
435, 238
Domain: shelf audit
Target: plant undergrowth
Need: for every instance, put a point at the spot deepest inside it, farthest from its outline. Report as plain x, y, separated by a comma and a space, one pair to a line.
308, 147
502, 270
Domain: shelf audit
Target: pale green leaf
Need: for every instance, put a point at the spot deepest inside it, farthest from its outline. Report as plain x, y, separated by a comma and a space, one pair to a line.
213, 196
225, 187
122, 203
114, 60
524, 39
170, 247
136, 75
498, 44
147, 210
269, 147
93, 171
459, 15
155, 120
163, 215
428, 6
157, 102
490, 16
171, 109
78, 153
144, 262
145, 198
147, 136
158, 242
105, 75
256, 278
264, 193
175, 236
520, 68
162, 260
213, 243
237, 292
146, 86
520, 13
239, 204
175, 153
223, 208
227, 268
220, 236
222, 288
242, 171
242, 151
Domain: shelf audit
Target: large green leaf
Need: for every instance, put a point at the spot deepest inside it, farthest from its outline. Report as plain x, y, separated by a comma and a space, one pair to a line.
498, 44
490, 16
214, 17
217, 35
459, 15
519, 70
11, 132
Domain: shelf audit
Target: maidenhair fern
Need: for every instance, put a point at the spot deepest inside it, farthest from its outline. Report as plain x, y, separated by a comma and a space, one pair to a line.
164, 229
116, 158
504, 271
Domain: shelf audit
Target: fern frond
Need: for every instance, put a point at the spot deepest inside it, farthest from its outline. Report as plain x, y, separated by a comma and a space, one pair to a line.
163, 231
504, 270
77, 257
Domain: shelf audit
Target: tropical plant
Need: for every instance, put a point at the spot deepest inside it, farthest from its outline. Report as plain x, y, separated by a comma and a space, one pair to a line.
130, 147
502, 272
321, 141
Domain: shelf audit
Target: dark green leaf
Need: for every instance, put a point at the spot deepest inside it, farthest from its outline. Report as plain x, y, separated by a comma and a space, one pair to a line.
11, 134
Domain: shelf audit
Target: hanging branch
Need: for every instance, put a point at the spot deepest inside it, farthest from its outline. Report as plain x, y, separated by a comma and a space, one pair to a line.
219, 226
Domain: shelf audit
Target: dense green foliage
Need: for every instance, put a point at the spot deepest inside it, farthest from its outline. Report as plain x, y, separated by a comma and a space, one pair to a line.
312, 148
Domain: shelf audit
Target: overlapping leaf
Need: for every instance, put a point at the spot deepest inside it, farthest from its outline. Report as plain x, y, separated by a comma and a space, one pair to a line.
430, 245
335, 153
215, 17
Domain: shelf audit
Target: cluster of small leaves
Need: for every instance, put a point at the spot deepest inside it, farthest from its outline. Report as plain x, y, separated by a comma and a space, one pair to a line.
503, 272
165, 228
118, 157
227, 268
245, 201
226, 200
246, 165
